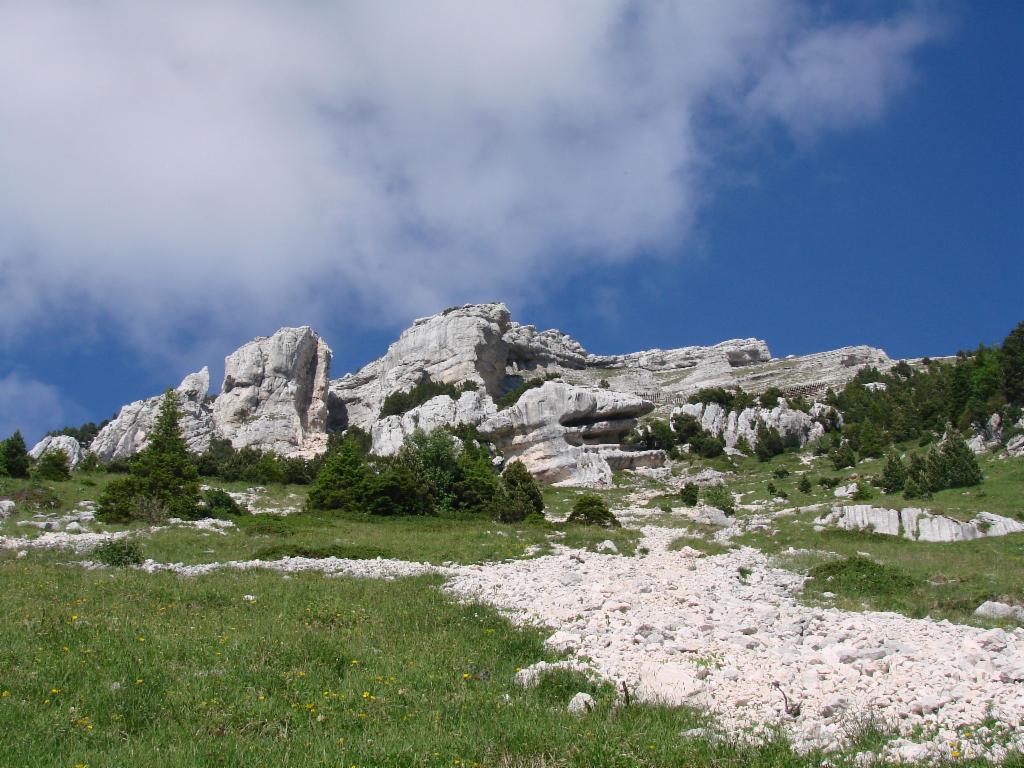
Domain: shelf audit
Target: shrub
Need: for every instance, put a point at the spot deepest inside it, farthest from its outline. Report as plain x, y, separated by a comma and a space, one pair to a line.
53, 465
14, 459
690, 494
719, 395
863, 492
772, 490
272, 525
397, 403
603, 384
780, 472
590, 509
707, 445
829, 482
118, 553
220, 504
511, 397
523, 492
743, 445
770, 397
804, 486
718, 497
769, 443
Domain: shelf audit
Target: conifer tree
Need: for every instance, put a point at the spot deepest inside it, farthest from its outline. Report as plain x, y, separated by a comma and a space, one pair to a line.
14, 455
894, 475
1013, 365
162, 479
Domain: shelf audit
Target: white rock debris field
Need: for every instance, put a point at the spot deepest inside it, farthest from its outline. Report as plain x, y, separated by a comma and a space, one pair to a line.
725, 633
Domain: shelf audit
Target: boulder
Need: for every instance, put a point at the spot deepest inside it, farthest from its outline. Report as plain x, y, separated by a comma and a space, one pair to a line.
1015, 446
581, 703
275, 394
129, 432
562, 432
992, 609
71, 447
442, 411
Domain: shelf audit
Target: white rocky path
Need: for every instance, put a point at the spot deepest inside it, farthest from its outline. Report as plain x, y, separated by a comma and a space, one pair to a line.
683, 628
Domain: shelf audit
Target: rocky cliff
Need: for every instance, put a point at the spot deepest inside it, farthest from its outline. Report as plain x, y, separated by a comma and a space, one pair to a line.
277, 394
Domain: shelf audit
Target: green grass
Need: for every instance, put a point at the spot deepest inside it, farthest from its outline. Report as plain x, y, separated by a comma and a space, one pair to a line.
126, 668
706, 546
951, 579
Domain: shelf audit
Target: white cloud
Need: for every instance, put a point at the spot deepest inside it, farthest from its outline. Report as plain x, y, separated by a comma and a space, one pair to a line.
228, 165
33, 407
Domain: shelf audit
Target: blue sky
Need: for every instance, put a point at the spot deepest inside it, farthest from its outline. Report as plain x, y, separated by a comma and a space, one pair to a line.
638, 178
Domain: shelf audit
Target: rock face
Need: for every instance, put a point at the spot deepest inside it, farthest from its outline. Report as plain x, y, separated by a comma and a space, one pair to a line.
463, 344
918, 524
275, 394
470, 408
128, 434
567, 434
734, 425
71, 447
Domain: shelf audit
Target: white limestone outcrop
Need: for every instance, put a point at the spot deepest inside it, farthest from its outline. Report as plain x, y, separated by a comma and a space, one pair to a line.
129, 432
275, 394
562, 432
442, 411
460, 344
918, 524
733, 426
51, 443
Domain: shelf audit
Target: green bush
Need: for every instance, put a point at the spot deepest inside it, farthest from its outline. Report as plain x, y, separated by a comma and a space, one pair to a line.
780, 472
220, 504
271, 525
770, 397
718, 497
690, 494
397, 403
522, 498
863, 492
118, 554
804, 485
590, 509
511, 397
769, 443
53, 465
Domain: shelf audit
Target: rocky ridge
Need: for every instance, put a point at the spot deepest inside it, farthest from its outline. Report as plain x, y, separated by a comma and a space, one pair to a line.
277, 394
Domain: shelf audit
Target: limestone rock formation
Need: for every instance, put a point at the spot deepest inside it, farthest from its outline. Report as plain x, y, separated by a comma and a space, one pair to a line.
734, 425
460, 344
71, 447
442, 411
918, 524
128, 434
275, 394
568, 434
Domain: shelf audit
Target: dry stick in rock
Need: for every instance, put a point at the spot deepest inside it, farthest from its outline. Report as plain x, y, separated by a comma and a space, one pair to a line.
625, 693
793, 710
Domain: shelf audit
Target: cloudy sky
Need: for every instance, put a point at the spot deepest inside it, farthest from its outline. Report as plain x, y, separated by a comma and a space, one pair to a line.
176, 178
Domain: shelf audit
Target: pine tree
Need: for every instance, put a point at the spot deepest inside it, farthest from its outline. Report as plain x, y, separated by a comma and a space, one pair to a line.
843, 456
961, 466
804, 486
519, 481
15, 458
162, 479
894, 475
341, 482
